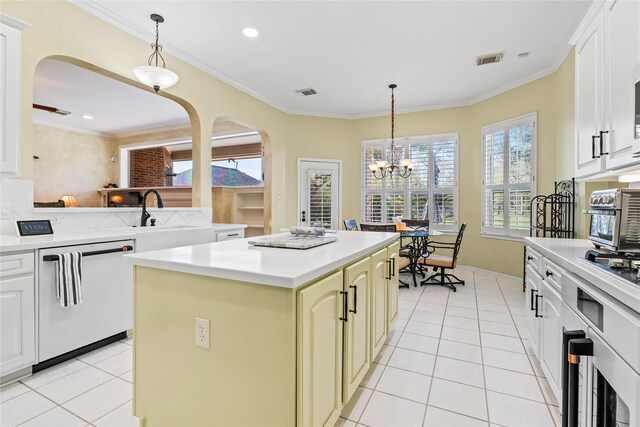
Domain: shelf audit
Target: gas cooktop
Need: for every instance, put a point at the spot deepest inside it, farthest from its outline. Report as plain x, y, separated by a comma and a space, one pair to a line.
624, 265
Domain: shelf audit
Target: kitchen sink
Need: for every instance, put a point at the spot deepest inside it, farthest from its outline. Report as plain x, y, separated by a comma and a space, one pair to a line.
171, 236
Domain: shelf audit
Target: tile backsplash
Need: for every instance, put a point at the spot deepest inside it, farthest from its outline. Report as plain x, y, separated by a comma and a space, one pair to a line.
16, 203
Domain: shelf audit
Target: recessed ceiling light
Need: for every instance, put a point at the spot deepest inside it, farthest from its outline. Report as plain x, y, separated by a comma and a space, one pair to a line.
250, 32
523, 55
88, 117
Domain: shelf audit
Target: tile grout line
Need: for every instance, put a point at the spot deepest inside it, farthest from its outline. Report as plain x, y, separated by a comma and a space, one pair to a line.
486, 393
433, 371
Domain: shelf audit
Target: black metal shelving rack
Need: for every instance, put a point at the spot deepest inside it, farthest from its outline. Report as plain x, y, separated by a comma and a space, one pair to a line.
553, 216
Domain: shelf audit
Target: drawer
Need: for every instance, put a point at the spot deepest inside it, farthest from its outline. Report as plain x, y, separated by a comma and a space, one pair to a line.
16, 264
534, 259
221, 236
552, 273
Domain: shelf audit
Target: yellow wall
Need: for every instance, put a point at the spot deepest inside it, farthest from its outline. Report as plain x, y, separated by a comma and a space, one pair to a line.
77, 34
71, 163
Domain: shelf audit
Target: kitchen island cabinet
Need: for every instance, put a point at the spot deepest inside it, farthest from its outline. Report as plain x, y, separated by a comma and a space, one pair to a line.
290, 331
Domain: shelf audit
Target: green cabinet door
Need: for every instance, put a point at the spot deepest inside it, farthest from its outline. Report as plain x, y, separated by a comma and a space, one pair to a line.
357, 282
320, 332
393, 253
379, 276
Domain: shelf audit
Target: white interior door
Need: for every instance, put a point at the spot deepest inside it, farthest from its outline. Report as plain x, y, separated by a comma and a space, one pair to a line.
319, 193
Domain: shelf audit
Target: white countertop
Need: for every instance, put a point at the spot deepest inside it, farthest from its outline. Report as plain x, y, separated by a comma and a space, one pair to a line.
569, 254
287, 268
14, 243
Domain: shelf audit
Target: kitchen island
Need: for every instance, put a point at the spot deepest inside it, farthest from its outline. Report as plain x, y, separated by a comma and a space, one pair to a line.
287, 335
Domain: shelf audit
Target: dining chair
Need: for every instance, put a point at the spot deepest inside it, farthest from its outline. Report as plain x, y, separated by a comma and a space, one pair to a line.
441, 263
350, 225
413, 247
389, 228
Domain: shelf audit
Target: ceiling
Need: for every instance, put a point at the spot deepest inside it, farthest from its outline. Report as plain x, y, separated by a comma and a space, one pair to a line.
349, 51
117, 108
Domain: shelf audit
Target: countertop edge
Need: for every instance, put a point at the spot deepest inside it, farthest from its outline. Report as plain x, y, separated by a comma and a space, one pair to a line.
257, 278
611, 285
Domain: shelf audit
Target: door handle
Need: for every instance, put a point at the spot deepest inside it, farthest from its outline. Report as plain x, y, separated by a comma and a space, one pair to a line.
532, 291
304, 216
355, 299
602, 153
593, 147
345, 308
389, 264
393, 266
537, 306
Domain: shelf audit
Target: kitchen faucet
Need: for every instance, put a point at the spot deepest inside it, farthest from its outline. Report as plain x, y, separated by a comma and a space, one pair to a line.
146, 215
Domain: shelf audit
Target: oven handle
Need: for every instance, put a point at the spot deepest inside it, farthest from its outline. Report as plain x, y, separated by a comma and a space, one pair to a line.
576, 347
567, 335
91, 253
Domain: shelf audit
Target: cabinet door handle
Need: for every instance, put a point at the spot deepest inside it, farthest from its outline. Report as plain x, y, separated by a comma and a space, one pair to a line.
389, 273
537, 306
393, 266
532, 291
548, 273
355, 299
234, 234
529, 258
602, 153
593, 147
345, 306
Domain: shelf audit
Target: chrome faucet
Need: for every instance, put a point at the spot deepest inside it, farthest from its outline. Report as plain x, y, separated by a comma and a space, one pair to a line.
146, 215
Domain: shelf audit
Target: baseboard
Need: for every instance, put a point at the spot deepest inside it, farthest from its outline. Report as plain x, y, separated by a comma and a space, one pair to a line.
482, 270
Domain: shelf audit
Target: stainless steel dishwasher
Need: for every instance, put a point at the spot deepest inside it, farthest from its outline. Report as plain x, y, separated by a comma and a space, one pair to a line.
107, 300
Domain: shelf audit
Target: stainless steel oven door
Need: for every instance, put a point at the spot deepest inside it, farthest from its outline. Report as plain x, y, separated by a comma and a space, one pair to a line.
615, 388
604, 228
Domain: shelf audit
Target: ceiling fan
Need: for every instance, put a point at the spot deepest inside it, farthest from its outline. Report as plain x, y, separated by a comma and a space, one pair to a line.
51, 109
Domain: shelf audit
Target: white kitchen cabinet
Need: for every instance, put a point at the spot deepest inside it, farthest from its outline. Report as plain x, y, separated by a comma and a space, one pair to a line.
622, 53
533, 285
589, 70
607, 50
17, 313
10, 34
550, 306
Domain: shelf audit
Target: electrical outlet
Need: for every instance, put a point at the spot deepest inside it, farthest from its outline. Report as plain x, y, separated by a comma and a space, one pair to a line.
202, 332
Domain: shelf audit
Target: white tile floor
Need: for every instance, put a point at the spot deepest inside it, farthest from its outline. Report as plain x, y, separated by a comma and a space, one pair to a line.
91, 390
454, 359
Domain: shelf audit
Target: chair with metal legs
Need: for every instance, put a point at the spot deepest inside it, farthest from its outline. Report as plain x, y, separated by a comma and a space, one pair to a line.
441, 263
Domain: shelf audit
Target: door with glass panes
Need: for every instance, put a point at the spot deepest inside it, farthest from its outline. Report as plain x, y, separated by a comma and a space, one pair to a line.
319, 193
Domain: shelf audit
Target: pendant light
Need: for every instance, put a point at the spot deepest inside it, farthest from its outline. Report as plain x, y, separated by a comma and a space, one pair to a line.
155, 74
383, 168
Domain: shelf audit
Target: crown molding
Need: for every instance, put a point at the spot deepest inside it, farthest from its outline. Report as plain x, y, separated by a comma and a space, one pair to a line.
127, 26
72, 129
595, 8
13, 22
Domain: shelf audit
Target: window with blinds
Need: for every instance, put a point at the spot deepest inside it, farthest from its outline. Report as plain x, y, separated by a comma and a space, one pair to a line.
431, 192
509, 176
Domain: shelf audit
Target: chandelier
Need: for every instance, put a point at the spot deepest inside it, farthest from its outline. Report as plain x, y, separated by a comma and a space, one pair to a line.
158, 77
383, 168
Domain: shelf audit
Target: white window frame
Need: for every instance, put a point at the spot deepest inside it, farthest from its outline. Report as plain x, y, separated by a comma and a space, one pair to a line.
407, 191
505, 232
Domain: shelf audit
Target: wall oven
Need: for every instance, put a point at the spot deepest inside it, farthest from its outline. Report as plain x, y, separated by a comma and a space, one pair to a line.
600, 358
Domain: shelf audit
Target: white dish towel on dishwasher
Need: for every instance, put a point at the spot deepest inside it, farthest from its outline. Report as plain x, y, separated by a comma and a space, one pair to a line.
69, 279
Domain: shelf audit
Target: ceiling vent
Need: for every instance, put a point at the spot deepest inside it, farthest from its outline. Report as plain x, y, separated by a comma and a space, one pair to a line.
307, 92
491, 58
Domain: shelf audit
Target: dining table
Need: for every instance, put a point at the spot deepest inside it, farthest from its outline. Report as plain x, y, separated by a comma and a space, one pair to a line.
413, 250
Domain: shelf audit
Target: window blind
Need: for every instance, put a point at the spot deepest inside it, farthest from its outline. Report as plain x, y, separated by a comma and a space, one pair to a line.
430, 192
508, 175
